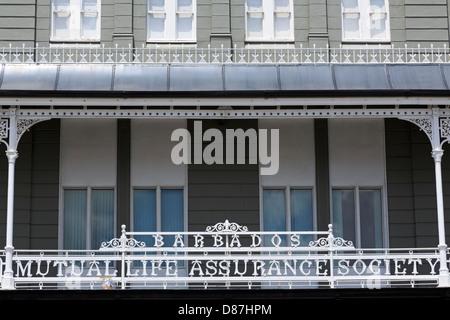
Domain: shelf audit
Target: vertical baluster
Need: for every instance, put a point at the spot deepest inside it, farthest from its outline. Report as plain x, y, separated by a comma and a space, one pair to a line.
301, 53
445, 53
182, 53
314, 53
406, 53
331, 252
432, 53
393, 54
418, 47
367, 53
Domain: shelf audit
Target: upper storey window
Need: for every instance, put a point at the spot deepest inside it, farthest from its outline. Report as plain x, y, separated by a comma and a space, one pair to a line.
365, 20
171, 21
75, 20
269, 20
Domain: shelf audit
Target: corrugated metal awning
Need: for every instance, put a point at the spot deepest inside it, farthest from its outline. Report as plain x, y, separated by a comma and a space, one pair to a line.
211, 78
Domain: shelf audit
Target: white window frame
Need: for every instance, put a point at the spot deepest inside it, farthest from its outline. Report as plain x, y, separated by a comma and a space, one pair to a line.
158, 191
75, 26
287, 199
170, 24
89, 190
357, 214
364, 22
269, 23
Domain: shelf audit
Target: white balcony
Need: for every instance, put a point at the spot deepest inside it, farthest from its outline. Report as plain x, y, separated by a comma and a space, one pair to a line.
226, 255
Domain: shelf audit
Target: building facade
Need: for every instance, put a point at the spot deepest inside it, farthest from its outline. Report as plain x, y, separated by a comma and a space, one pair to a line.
208, 143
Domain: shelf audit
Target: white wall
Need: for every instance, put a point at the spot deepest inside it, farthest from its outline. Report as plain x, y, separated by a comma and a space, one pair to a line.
151, 147
356, 152
88, 152
297, 158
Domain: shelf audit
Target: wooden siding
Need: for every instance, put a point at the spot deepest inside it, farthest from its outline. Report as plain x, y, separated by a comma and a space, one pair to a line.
400, 184
17, 22
322, 173
223, 22
123, 201
426, 21
218, 192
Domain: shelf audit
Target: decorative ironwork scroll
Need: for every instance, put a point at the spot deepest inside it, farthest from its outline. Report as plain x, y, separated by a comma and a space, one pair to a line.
445, 128
122, 242
331, 242
425, 125
118, 243
3, 128
226, 227
24, 125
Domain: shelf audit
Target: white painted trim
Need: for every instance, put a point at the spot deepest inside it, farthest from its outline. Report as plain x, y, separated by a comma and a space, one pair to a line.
170, 24
75, 22
268, 22
88, 190
364, 21
143, 103
357, 214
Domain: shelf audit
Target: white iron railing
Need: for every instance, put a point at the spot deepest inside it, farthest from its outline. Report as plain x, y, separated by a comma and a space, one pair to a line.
93, 54
226, 255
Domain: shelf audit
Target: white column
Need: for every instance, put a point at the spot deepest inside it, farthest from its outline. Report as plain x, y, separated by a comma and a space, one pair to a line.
437, 154
12, 154
443, 270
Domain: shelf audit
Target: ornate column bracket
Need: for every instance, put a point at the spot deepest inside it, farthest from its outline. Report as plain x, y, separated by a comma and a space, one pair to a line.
22, 126
3, 130
425, 125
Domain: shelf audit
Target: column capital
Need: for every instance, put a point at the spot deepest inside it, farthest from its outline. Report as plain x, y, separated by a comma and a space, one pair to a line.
12, 155
437, 154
